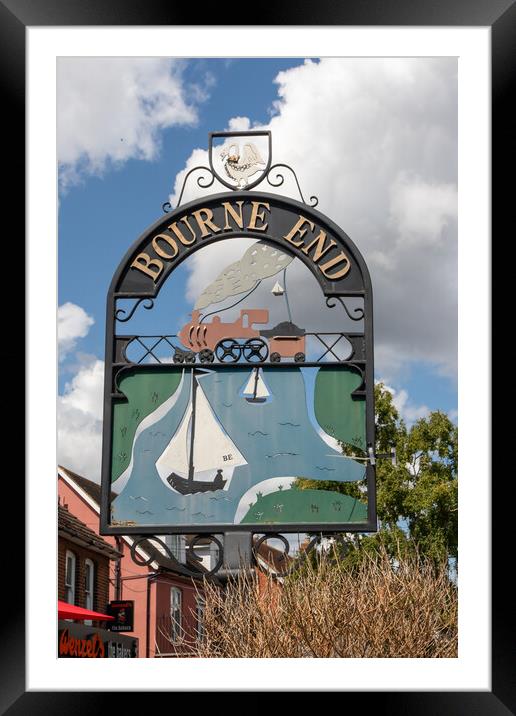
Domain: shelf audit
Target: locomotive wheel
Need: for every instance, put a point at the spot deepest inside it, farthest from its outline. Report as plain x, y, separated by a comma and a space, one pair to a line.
178, 357
255, 350
189, 357
227, 350
275, 357
299, 358
206, 356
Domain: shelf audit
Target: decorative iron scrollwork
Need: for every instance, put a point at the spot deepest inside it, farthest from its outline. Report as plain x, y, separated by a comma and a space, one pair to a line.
280, 179
358, 311
294, 563
192, 567
121, 311
167, 206
274, 179
220, 559
141, 562
334, 347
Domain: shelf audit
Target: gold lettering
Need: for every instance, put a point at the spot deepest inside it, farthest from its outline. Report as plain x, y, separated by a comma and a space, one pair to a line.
255, 215
320, 248
182, 238
208, 221
143, 262
296, 229
237, 218
333, 262
185, 219
161, 252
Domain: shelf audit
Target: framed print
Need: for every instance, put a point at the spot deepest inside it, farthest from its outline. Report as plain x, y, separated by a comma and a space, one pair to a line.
238, 366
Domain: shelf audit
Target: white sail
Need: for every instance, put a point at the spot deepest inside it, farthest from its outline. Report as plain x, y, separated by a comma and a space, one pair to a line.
249, 388
255, 386
176, 455
278, 289
213, 448
261, 388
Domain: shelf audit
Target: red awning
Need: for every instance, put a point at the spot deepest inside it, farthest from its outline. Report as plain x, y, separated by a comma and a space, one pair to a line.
70, 611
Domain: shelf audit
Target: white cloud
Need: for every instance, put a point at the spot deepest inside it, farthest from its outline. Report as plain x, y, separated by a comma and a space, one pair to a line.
421, 211
84, 391
409, 411
111, 109
239, 124
375, 140
72, 323
453, 415
79, 421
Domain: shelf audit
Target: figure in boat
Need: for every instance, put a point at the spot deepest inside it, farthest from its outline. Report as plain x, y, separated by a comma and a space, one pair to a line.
200, 445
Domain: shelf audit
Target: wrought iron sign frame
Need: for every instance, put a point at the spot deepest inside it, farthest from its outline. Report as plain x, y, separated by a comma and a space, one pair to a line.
270, 218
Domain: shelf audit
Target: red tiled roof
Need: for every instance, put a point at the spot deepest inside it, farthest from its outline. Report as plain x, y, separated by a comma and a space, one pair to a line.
90, 488
70, 525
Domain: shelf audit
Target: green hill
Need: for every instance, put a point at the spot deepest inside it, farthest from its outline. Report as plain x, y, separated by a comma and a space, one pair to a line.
315, 506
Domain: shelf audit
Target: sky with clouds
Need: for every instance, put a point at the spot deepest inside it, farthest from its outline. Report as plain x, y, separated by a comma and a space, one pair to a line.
375, 139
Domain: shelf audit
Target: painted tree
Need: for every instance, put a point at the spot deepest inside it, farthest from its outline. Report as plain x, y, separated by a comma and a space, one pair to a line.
417, 497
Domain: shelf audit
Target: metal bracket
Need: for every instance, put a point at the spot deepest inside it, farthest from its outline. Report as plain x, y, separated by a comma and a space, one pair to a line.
372, 456
388, 455
238, 551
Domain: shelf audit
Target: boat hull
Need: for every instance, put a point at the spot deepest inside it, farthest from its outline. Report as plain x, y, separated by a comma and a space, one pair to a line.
189, 487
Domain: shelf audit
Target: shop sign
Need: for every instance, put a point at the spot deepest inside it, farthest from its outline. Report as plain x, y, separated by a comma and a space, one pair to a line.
77, 641
123, 613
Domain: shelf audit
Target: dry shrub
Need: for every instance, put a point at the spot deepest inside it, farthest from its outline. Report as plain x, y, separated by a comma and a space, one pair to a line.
379, 608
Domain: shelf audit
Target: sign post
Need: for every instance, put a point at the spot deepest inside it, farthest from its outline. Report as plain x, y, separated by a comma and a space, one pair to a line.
251, 397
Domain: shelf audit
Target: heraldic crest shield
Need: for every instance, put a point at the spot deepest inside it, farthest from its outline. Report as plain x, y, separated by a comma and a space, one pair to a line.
240, 159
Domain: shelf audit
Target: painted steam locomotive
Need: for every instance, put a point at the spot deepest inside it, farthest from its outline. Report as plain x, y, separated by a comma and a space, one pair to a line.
230, 342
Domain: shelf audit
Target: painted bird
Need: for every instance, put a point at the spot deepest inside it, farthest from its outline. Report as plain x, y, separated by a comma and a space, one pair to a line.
240, 168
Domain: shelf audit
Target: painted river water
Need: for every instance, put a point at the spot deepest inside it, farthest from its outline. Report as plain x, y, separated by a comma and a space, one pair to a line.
278, 438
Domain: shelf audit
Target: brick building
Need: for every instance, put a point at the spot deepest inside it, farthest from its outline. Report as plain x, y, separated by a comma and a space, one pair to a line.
84, 560
168, 605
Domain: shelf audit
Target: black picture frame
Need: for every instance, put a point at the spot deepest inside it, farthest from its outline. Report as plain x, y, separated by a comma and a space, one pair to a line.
500, 16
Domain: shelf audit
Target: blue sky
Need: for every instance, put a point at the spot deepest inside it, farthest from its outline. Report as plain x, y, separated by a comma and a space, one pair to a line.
374, 139
102, 214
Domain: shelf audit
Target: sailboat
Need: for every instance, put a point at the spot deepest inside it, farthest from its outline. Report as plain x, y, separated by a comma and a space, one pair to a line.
200, 444
255, 390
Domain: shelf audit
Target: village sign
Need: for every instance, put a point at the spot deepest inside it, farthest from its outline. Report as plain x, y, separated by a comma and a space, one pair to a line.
257, 390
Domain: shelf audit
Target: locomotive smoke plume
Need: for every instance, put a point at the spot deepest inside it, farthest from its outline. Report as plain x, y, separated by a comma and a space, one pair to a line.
259, 261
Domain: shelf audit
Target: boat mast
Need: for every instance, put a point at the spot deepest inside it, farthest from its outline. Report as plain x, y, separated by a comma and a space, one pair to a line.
286, 293
255, 382
192, 429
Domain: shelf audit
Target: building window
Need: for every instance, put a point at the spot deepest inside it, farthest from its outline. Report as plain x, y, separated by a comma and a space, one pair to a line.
175, 613
70, 577
199, 614
89, 586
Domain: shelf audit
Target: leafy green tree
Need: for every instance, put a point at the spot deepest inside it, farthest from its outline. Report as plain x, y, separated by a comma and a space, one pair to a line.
417, 497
